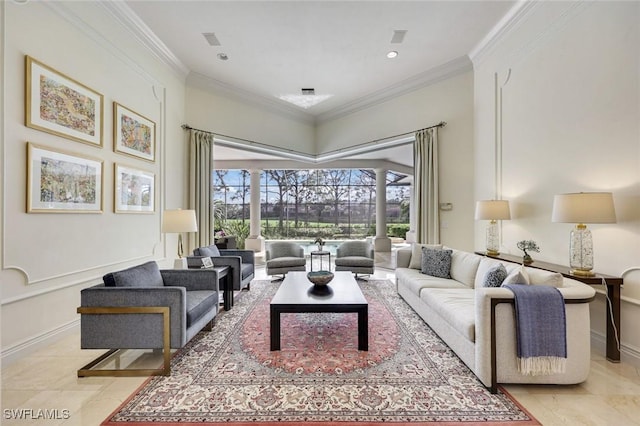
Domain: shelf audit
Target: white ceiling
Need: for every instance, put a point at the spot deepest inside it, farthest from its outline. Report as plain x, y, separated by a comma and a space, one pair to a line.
337, 47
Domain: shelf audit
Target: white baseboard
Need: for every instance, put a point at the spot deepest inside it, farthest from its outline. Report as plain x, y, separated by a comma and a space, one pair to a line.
28, 347
628, 354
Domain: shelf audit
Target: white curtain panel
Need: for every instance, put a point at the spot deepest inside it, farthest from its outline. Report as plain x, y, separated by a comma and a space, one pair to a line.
426, 192
201, 187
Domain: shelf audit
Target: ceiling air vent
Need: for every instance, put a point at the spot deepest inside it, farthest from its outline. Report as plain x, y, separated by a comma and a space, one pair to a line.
308, 91
212, 39
398, 36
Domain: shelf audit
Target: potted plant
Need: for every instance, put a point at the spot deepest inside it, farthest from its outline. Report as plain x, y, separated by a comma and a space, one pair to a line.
320, 242
530, 245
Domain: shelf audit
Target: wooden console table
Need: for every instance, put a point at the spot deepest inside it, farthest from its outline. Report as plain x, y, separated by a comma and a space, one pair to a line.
613, 292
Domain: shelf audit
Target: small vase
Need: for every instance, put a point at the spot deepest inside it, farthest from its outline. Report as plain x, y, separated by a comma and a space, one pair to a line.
526, 259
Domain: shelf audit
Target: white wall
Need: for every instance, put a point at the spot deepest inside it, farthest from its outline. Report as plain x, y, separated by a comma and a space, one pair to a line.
47, 258
210, 109
450, 100
570, 112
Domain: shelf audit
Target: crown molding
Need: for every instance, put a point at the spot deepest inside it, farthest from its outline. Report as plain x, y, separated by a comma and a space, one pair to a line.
515, 18
129, 20
507, 24
200, 81
66, 11
434, 75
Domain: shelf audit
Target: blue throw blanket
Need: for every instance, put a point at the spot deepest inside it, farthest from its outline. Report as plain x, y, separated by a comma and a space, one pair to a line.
540, 329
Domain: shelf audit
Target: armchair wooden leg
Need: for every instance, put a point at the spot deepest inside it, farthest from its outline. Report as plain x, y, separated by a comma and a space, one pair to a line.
165, 370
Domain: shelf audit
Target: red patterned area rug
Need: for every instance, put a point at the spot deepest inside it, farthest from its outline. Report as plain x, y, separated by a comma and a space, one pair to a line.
229, 375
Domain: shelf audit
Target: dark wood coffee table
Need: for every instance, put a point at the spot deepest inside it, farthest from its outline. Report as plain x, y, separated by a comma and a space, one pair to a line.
296, 295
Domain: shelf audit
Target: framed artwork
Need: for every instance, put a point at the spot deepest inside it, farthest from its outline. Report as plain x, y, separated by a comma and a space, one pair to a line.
134, 190
60, 182
133, 134
61, 106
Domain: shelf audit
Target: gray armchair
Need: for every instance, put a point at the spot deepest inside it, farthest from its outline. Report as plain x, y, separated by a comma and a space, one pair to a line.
355, 256
241, 262
145, 308
284, 256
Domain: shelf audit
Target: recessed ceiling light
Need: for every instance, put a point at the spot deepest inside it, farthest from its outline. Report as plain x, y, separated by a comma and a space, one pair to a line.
392, 54
222, 56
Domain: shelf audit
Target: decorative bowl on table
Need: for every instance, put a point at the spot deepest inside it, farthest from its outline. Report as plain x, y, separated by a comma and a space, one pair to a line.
320, 278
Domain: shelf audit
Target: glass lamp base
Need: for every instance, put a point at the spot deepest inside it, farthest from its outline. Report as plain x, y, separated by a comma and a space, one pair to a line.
581, 273
493, 239
581, 251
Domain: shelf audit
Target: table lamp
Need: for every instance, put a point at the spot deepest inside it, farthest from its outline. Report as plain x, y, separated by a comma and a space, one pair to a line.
581, 208
493, 210
179, 221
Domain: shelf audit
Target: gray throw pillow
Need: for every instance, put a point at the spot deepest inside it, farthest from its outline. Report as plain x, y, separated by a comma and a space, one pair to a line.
209, 251
495, 276
436, 263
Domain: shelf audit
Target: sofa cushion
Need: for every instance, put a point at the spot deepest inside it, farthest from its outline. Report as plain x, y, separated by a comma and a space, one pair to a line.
495, 276
517, 276
415, 281
456, 306
436, 262
199, 302
464, 267
209, 251
145, 275
416, 254
541, 277
354, 261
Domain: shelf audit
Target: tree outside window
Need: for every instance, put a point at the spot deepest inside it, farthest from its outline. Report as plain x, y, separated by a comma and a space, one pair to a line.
305, 204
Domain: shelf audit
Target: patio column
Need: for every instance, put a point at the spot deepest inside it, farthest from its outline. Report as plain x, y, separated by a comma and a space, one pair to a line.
410, 237
381, 242
255, 241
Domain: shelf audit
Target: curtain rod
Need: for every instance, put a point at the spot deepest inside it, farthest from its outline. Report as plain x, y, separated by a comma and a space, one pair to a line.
440, 124
187, 127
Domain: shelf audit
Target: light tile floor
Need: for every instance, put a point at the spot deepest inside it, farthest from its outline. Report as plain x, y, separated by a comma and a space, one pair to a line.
47, 380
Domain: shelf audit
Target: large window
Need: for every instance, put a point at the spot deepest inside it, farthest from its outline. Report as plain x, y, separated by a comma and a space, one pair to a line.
304, 204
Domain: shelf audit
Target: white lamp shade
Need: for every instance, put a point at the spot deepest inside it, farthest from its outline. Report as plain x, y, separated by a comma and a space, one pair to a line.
493, 210
584, 207
177, 221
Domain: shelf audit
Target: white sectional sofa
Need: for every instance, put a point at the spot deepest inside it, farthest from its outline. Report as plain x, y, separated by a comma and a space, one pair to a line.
478, 322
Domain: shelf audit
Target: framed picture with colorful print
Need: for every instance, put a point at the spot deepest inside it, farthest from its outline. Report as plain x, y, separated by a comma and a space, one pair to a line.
134, 190
57, 104
62, 182
133, 133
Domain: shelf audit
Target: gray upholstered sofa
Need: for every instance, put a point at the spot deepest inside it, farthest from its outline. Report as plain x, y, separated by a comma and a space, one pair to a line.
478, 323
143, 307
241, 262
